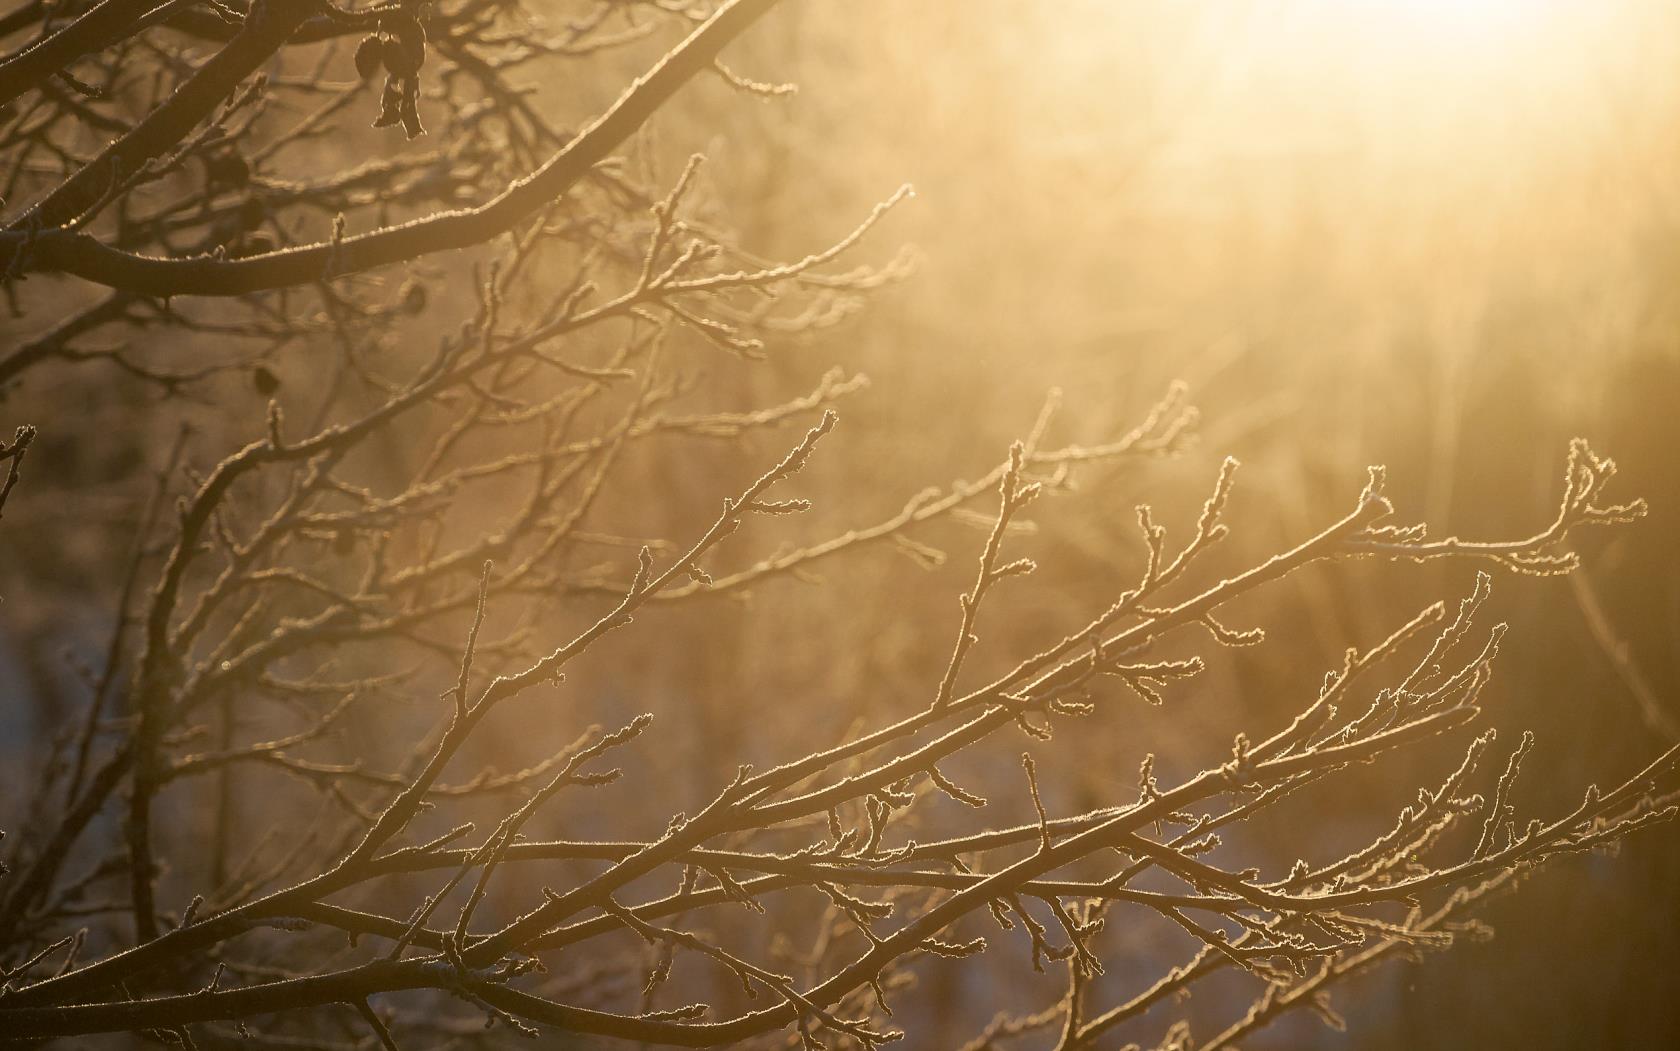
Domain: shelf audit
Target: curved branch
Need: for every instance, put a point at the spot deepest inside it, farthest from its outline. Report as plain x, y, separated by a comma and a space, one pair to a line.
63, 251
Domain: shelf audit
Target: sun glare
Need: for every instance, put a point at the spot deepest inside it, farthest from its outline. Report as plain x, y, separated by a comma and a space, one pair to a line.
1455, 15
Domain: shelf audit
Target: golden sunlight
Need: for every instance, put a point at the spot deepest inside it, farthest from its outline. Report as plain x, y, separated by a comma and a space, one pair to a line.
519, 523
1450, 17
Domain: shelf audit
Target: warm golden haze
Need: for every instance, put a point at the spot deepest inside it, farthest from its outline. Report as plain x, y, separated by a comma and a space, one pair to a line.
517, 523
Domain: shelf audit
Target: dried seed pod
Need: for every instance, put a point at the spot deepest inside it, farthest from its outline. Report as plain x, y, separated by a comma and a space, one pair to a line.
370, 55
410, 108
410, 30
405, 47
390, 104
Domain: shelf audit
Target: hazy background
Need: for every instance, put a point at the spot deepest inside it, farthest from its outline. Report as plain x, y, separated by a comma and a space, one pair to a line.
1440, 236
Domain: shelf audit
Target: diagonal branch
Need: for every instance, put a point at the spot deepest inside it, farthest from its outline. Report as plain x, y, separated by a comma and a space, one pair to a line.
69, 252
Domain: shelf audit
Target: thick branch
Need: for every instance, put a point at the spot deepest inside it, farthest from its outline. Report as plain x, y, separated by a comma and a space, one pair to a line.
81, 255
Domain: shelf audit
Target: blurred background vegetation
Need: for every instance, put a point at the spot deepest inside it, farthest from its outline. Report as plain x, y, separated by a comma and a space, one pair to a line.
1443, 237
